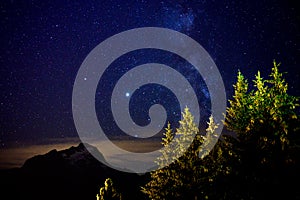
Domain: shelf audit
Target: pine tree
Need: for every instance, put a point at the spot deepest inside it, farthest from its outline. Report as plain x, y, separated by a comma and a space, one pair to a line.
161, 185
108, 192
237, 114
171, 181
263, 120
190, 176
167, 151
216, 164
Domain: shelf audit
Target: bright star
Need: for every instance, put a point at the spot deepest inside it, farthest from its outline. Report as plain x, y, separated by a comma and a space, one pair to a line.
127, 94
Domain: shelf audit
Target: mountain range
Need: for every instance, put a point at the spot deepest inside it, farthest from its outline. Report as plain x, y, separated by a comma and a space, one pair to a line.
67, 174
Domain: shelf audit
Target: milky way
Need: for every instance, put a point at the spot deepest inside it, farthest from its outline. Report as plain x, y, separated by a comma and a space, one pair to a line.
43, 44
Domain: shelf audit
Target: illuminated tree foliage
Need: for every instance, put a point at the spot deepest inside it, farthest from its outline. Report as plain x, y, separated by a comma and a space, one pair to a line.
108, 192
168, 182
264, 120
237, 116
190, 176
262, 117
259, 162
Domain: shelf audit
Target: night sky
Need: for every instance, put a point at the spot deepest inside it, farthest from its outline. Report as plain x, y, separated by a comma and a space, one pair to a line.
43, 44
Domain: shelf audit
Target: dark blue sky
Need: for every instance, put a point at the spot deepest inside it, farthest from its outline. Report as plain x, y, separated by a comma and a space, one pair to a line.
43, 44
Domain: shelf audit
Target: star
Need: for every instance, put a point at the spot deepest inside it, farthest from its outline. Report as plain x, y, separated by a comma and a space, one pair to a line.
43, 53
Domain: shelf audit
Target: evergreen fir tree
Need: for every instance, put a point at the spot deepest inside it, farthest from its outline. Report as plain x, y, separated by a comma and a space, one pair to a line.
264, 121
108, 192
189, 177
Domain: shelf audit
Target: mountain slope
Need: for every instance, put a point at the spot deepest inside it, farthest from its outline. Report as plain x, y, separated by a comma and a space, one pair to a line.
68, 174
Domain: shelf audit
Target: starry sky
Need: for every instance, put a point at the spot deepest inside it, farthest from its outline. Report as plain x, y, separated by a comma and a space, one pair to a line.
43, 44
